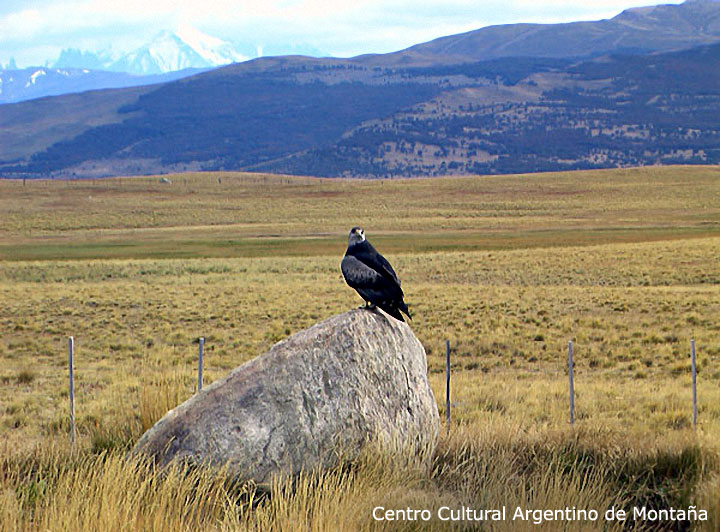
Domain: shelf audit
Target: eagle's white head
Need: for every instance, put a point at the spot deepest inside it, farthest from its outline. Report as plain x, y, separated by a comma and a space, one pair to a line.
357, 235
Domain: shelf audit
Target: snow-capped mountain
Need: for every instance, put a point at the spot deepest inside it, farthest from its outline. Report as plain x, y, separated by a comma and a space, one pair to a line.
168, 56
214, 51
83, 60
167, 52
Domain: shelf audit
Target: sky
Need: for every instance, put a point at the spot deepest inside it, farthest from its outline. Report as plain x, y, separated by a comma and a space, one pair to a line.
34, 32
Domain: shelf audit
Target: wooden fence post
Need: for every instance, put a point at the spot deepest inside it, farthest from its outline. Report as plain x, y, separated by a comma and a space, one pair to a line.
447, 383
694, 383
200, 364
572, 384
71, 362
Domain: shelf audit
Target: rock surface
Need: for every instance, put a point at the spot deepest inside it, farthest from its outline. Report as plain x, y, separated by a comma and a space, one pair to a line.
320, 394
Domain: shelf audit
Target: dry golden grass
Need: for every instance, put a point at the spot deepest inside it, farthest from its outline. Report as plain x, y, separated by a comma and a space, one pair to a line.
509, 269
484, 466
230, 215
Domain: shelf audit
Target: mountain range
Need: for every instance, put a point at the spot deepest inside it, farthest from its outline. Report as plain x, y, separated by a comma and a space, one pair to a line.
166, 57
642, 88
168, 51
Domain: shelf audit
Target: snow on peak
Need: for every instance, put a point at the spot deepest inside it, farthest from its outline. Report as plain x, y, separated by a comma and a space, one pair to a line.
167, 51
34, 76
213, 50
171, 51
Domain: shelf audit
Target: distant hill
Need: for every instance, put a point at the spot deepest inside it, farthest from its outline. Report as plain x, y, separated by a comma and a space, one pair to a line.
638, 30
38, 82
615, 111
428, 110
239, 116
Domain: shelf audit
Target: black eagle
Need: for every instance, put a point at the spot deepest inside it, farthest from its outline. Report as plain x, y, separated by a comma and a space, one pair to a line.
371, 275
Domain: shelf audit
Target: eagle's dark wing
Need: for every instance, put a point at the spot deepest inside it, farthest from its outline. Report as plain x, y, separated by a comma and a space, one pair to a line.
373, 286
369, 282
374, 260
360, 275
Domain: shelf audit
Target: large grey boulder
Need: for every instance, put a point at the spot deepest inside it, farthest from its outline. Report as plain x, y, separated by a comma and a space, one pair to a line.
315, 398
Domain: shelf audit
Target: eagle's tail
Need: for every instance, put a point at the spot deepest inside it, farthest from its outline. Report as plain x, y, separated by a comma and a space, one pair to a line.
395, 308
402, 306
391, 309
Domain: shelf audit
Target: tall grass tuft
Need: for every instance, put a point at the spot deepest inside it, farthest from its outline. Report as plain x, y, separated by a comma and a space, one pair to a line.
162, 388
160, 393
110, 491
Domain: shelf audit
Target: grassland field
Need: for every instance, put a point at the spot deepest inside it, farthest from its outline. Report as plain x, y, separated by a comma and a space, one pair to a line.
625, 263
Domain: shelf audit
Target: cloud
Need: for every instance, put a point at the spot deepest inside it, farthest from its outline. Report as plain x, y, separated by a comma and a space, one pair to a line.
343, 28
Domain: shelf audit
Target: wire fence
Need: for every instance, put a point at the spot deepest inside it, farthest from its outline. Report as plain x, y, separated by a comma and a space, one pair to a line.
448, 404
